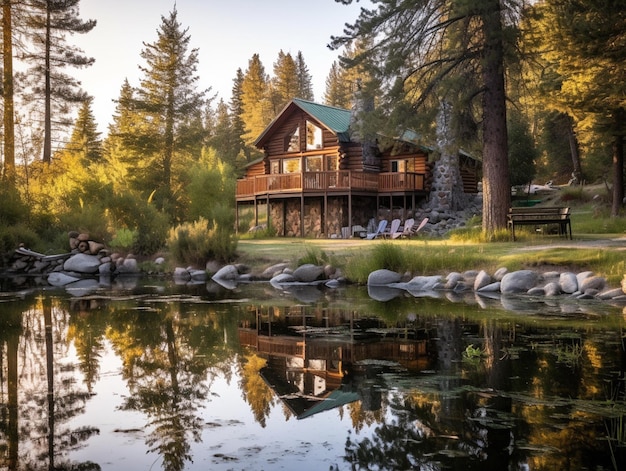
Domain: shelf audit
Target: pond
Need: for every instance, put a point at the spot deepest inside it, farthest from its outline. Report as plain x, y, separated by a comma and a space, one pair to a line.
145, 374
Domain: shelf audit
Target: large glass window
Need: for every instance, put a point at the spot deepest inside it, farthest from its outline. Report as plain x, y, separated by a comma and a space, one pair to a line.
275, 166
291, 165
314, 163
332, 163
292, 141
313, 136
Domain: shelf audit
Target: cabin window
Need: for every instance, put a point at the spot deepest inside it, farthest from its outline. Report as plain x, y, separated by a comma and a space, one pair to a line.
313, 136
275, 166
292, 141
402, 166
291, 165
332, 163
314, 163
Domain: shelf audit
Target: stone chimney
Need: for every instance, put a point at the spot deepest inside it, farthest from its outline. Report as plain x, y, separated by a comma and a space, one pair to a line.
363, 104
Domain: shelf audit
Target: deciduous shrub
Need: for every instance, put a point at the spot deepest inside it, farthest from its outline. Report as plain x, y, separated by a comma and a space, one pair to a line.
195, 243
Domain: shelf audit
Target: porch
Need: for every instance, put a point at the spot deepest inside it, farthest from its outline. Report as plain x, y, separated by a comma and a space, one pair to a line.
332, 181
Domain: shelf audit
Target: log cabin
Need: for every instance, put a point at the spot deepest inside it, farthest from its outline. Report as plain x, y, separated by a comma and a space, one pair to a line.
317, 179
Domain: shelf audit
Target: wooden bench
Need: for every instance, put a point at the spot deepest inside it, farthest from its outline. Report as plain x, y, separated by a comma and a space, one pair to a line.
541, 216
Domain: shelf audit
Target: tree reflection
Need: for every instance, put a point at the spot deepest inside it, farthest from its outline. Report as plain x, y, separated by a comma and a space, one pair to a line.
167, 373
40, 379
254, 390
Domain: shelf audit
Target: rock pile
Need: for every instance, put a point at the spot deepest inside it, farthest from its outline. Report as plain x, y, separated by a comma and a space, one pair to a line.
584, 285
87, 258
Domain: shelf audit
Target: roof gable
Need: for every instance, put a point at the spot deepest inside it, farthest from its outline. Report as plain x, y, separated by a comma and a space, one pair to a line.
334, 119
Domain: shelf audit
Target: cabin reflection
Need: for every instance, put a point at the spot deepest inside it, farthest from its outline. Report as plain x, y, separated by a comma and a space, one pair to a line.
322, 358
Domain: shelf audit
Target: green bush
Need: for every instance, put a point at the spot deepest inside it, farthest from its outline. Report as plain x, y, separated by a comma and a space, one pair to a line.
197, 242
12, 236
123, 239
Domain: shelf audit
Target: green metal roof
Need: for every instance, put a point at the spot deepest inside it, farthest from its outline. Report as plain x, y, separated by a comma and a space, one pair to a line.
335, 119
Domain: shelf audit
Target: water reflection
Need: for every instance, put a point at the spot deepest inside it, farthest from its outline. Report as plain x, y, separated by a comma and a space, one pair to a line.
207, 377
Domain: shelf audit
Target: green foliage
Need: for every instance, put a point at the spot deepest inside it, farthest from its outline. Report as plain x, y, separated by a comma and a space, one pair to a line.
12, 236
198, 242
314, 256
12, 208
385, 255
123, 239
522, 151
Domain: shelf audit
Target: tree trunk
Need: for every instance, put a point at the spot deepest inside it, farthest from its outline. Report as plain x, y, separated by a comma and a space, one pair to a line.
7, 94
573, 146
47, 133
618, 163
496, 187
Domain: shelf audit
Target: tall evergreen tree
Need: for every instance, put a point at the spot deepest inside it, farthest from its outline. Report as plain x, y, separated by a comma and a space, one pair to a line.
8, 121
47, 23
257, 111
236, 117
85, 144
305, 81
285, 83
338, 92
418, 44
584, 48
167, 109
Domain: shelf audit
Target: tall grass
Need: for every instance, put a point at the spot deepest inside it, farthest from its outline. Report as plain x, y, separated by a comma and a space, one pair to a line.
418, 259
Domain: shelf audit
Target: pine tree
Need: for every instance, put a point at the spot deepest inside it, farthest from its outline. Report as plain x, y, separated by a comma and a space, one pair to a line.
257, 111
8, 170
85, 144
167, 110
584, 52
47, 22
236, 117
416, 46
338, 92
305, 81
284, 84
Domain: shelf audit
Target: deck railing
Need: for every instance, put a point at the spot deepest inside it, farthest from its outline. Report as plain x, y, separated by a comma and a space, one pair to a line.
342, 180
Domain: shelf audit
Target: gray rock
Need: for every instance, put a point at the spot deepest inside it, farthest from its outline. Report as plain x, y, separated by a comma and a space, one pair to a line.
275, 269
490, 288
452, 280
499, 274
581, 277
568, 282
181, 274
593, 282
518, 281
128, 266
552, 289
82, 263
282, 278
383, 277
481, 280
198, 275
610, 294
61, 279
308, 272
423, 283
536, 291
227, 272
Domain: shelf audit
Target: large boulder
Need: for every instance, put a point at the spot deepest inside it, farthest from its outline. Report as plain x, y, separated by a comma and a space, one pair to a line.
383, 277
82, 263
308, 272
568, 282
518, 281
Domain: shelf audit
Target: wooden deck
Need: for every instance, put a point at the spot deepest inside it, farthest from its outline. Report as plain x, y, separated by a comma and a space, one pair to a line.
335, 181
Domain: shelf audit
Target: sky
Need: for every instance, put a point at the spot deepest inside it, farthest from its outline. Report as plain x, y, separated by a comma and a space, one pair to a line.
227, 33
